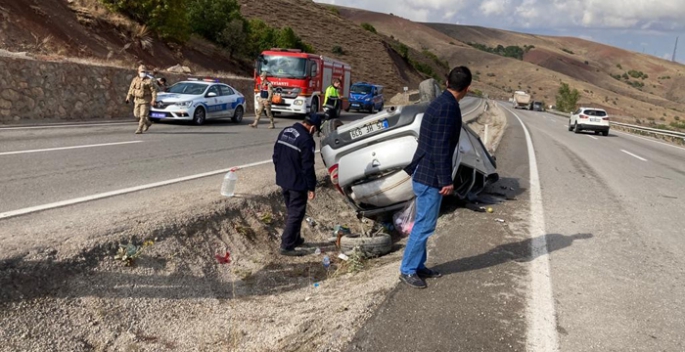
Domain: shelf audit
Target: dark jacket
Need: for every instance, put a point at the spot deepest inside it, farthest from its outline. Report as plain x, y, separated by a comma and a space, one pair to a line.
294, 159
438, 139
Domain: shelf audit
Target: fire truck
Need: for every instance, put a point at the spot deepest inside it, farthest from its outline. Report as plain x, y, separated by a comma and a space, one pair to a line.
300, 79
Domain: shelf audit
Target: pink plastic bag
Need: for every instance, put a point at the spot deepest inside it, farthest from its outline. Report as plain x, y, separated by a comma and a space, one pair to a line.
404, 220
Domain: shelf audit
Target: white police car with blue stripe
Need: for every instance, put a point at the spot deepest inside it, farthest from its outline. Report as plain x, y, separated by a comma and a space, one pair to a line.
199, 100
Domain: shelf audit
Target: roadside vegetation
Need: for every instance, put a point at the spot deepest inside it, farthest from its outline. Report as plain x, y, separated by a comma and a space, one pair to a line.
567, 98
218, 21
513, 51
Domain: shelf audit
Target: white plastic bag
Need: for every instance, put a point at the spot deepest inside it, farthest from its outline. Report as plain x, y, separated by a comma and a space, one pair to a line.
404, 220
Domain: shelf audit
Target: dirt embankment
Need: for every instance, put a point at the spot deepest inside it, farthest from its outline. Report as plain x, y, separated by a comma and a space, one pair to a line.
179, 297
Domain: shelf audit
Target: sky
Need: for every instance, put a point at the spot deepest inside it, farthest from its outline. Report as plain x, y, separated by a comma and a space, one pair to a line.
649, 26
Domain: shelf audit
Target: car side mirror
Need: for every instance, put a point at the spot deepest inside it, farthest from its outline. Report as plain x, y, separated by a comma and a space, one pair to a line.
211, 95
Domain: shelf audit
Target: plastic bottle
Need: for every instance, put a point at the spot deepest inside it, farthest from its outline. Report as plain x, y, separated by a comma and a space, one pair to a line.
228, 186
326, 262
317, 251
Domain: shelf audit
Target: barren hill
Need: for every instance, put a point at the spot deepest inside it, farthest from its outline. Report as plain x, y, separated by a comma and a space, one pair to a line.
624, 82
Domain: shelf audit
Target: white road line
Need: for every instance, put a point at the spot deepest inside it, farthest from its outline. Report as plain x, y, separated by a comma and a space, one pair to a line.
648, 139
65, 125
67, 148
63, 203
595, 138
633, 155
542, 325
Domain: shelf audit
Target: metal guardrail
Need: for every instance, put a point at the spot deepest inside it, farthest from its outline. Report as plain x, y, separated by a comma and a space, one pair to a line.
635, 127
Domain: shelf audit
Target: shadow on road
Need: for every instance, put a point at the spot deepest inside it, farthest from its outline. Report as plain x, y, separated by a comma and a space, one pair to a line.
510, 252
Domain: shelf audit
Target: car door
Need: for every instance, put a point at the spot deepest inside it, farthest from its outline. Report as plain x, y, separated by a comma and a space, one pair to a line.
229, 99
213, 101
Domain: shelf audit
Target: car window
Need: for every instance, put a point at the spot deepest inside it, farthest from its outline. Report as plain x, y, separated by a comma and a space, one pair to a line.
226, 91
596, 113
187, 88
214, 89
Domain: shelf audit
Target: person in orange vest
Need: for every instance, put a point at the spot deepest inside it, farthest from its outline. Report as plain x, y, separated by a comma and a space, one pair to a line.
266, 93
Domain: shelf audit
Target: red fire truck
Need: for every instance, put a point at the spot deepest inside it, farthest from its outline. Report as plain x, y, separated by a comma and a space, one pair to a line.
300, 79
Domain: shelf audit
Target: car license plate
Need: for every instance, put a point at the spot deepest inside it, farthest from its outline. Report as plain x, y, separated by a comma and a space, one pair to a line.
355, 105
595, 119
369, 128
156, 114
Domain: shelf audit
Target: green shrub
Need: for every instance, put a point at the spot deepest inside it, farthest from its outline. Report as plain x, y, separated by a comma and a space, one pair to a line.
567, 98
338, 50
168, 18
369, 27
567, 51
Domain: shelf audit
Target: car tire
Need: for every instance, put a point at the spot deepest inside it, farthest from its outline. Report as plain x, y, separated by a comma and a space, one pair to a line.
605, 133
380, 108
597, 132
371, 109
576, 128
199, 116
315, 105
238, 115
570, 126
330, 126
371, 246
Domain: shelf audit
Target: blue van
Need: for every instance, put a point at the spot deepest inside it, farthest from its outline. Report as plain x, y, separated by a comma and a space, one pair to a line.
366, 97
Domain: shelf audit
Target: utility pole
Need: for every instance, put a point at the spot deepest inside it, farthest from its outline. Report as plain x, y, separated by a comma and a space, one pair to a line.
675, 49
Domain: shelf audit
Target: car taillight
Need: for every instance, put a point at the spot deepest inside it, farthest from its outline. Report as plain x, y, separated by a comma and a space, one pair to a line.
605, 118
583, 116
333, 172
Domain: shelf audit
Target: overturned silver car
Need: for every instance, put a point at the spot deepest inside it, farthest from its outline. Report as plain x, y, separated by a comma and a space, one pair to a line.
365, 159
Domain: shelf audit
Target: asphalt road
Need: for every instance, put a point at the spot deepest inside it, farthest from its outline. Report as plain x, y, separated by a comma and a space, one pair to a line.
590, 257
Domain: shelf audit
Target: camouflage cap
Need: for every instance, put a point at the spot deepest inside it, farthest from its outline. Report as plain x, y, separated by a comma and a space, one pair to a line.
142, 68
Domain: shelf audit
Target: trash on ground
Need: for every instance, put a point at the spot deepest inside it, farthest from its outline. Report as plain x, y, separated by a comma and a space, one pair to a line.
326, 262
310, 221
225, 259
500, 220
404, 220
489, 210
343, 256
317, 251
338, 229
316, 284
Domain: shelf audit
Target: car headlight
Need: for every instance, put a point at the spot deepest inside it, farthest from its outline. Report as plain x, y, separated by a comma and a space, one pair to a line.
298, 102
185, 104
368, 99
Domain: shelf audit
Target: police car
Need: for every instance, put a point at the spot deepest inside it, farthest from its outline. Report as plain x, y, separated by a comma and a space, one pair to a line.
199, 100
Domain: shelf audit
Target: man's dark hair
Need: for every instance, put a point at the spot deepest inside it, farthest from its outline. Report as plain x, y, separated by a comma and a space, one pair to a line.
459, 78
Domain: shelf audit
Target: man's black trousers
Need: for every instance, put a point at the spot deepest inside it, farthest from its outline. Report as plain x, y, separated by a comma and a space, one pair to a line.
296, 203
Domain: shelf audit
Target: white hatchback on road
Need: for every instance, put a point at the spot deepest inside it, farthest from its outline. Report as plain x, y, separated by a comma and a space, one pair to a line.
589, 119
198, 101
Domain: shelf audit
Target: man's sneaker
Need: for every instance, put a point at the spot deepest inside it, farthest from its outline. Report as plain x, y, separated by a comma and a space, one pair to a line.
428, 273
300, 241
414, 281
292, 252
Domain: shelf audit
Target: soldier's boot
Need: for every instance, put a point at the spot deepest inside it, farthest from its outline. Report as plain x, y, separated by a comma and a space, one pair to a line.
272, 125
138, 131
146, 127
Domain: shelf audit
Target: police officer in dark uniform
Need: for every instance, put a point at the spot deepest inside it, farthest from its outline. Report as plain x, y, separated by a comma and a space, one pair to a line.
294, 160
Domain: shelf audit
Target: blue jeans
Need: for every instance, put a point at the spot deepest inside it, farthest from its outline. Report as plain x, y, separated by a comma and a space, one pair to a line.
428, 200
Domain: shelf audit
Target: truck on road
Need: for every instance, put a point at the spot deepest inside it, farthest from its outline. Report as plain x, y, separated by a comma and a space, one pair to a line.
300, 79
521, 100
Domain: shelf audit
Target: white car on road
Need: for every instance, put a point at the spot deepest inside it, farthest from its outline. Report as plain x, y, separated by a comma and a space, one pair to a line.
589, 119
198, 101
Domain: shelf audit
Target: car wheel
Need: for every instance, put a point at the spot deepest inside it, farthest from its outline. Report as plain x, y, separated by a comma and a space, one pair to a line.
370, 246
199, 116
576, 128
570, 126
597, 132
605, 133
371, 109
329, 126
315, 105
153, 119
238, 115
380, 108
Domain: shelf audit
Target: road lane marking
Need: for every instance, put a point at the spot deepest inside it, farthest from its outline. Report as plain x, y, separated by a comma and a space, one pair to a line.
595, 138
18, 212
541, 314
65, 126
633, 155
67, 148
648, 139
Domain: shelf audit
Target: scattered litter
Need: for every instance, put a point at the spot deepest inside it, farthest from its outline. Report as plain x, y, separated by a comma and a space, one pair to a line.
316, 284
489, 210
338, 229
404, 220
307, 298
343, 256
266, 218
317, 251
500, 220
310, 221
326, 262
225, 259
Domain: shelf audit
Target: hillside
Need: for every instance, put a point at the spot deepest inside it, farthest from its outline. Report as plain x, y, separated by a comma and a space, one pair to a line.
585, 65
87, 31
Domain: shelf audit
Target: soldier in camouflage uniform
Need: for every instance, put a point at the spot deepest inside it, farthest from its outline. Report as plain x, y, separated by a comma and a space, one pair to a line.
144, 92
266, 92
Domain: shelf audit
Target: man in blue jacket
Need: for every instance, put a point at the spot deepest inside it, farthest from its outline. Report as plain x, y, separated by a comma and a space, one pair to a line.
294, 161
431, 171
